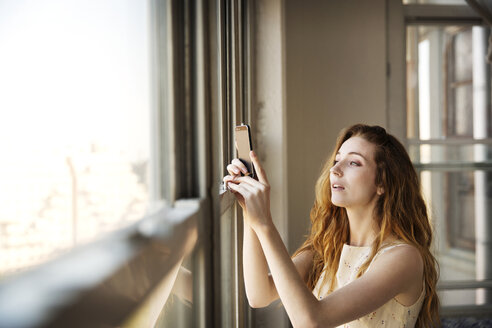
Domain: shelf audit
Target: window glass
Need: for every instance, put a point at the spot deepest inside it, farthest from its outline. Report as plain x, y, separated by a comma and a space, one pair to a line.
461, 204
441, 89
449, 136
75, 124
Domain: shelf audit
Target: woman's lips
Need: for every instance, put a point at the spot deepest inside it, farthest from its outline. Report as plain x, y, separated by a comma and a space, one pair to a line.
337, 187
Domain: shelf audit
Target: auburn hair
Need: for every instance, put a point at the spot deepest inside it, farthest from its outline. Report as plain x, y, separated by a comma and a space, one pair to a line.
400, 211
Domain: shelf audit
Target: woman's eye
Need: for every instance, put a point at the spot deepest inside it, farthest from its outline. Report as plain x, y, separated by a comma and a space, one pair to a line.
354, 163
335, 163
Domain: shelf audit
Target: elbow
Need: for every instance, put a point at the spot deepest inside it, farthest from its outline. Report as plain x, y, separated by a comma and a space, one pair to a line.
258, 299
311, 319
311, 324
257, 303
307, 323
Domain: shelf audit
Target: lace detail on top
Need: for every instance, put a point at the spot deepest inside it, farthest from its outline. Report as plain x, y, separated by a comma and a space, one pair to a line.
391, 314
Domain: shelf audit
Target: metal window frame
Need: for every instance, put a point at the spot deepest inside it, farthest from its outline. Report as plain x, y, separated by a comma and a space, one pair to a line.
236, 109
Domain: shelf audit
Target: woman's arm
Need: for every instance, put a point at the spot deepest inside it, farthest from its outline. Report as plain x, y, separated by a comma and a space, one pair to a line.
260, 289
259, 285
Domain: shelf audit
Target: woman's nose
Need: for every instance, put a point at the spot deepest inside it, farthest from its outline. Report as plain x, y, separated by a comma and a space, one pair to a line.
335, 169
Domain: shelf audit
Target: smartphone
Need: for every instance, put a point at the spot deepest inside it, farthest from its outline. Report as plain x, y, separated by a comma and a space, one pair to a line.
244, 146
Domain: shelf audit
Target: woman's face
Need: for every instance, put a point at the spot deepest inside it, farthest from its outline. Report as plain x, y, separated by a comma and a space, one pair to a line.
353, 175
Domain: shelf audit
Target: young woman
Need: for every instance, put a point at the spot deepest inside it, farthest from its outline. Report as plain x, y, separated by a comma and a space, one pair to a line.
367, 261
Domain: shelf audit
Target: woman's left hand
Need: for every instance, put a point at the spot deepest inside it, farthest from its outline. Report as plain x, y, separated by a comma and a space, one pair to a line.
256, 194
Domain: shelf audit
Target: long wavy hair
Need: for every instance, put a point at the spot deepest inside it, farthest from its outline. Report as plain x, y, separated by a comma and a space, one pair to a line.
399, 211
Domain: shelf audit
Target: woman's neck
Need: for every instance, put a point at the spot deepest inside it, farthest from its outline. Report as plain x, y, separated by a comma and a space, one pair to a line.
363, 227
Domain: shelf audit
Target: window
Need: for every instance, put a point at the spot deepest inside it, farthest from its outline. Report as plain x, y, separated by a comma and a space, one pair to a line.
449, 136
75, 124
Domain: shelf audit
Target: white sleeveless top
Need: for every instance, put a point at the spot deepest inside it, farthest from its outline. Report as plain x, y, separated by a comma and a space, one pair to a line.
391, 314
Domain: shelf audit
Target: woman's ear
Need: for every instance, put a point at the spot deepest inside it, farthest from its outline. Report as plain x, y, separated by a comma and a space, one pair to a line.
380, 191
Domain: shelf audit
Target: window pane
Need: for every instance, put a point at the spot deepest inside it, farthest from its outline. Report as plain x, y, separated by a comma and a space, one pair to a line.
460, 204
448, 82
75, 124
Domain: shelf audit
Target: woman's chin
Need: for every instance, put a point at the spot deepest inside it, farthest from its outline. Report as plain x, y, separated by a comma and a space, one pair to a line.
337, 202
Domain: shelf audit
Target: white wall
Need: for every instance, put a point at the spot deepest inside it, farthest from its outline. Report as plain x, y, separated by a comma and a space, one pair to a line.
268, 116
335, 60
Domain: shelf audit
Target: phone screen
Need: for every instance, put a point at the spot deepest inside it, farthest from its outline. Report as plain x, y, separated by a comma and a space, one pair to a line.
244, 146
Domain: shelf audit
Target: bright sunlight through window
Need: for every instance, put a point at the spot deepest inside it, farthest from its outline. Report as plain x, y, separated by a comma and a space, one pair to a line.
74, 127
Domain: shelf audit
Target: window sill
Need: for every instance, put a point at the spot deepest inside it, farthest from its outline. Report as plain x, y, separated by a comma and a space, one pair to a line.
119, 270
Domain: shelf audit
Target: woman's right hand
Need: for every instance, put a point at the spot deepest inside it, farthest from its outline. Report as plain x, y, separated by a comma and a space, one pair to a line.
235, 169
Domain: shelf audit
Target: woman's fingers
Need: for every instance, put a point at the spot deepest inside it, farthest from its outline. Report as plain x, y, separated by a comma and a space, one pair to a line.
245, 180
243, 189
229, 178
233, 169
238, 188
239, 197
258, 168
236, 167
232, 179
240, 165
245, 185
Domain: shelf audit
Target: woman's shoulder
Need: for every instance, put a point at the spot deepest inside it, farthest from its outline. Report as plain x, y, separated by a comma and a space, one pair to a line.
404, 266
401, 267
401, 253
396, 243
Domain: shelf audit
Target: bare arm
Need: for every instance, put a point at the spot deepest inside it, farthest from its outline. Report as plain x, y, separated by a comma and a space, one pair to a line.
259, 284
